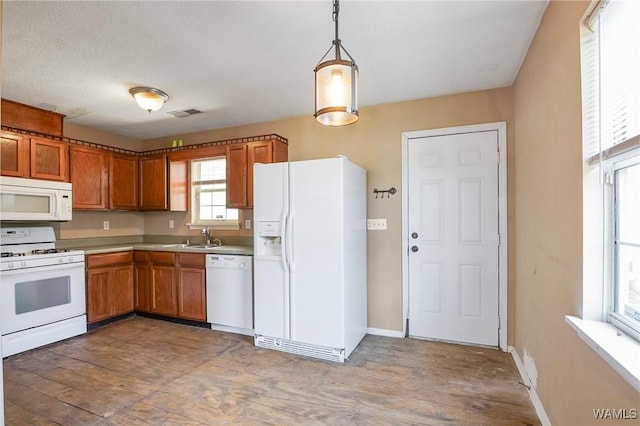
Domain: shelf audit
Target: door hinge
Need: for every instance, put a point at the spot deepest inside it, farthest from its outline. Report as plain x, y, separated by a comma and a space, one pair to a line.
498, 322
498, 156
498, 239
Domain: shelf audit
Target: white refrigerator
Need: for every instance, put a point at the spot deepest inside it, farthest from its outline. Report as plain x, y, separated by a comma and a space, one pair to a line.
310, 257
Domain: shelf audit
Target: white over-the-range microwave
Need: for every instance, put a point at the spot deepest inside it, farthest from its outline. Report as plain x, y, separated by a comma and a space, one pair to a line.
30, 200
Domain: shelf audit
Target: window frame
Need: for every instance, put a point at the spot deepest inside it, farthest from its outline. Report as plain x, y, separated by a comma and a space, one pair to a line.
611, 167
195, 205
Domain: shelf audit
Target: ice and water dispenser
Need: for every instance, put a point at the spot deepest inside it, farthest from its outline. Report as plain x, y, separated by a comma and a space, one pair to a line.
269, 241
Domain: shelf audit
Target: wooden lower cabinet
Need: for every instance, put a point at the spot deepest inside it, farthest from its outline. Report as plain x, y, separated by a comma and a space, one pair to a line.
170, 284
142, 281
192, 287
109, 285
164, 299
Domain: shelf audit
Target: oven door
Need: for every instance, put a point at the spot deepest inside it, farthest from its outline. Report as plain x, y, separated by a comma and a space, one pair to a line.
43, 295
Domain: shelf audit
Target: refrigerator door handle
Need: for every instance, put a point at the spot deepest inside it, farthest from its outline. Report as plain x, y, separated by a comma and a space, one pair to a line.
283, 244
289, 238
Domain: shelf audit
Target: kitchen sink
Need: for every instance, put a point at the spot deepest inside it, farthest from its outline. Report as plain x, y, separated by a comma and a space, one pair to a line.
208, 248
183, 245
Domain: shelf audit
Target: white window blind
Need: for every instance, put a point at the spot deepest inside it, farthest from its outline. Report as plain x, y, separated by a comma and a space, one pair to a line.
611, 79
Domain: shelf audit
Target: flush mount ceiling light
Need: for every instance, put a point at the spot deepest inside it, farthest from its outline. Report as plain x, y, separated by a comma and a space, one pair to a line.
148, 98
336, 84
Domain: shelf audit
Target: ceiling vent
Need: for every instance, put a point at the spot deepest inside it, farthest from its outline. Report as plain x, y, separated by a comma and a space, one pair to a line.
185, 112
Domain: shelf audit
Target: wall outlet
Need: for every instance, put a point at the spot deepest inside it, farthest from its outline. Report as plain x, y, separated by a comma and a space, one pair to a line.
376, 224
247, 224
172, 224
105, 225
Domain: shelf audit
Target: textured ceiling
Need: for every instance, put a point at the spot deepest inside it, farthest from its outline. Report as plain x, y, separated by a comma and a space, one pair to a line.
244, 62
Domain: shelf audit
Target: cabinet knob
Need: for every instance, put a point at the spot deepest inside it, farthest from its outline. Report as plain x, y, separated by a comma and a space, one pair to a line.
414, 235
414, 249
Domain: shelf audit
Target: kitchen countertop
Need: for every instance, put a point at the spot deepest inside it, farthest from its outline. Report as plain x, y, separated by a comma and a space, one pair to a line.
224, 249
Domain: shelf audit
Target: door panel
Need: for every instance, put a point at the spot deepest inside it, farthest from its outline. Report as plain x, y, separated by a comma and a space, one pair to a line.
453, 264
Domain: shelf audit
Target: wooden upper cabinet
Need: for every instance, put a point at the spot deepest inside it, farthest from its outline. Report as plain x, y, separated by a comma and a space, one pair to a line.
123, 181
21, 116
237, 156
49, 159
14, 155
178, 185
240, 161
163, 183
89, 176
152, 175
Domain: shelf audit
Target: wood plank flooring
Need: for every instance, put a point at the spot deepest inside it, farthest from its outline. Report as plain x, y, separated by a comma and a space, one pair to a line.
142, 371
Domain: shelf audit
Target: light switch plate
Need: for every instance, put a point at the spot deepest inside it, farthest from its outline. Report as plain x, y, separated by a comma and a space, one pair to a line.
247, 224
376, 224
105, 225
172, 224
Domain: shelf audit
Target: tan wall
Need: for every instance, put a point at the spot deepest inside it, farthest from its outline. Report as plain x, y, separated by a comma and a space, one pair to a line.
572, 380
375, 143
75, 131
90, 225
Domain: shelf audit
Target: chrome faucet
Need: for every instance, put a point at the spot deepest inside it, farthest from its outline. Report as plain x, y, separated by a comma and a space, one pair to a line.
207, 233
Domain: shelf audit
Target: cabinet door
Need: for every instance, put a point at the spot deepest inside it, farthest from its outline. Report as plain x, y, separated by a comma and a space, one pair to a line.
89, 178
191, 294
98, 301
259, 152
163, 290
49, 159
142, 287
122, 289
153, 183
123, 181
14, 155
178, 185
237, 176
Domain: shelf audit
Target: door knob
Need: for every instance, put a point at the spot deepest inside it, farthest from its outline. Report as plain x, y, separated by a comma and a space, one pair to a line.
414, 235
414, 249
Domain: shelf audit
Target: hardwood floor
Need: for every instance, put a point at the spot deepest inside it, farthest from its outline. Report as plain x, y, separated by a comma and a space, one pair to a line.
141, 371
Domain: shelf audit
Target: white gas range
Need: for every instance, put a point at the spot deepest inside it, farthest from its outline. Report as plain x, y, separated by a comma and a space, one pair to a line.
42, 290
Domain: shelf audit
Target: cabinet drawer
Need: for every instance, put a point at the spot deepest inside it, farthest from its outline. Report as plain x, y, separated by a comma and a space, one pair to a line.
163, 257
191, 259
109, 259
141, 256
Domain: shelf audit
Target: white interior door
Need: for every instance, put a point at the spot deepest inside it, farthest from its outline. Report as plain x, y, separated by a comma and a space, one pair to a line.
453, 263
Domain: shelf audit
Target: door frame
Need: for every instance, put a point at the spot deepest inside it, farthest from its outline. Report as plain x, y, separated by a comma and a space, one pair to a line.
501, 128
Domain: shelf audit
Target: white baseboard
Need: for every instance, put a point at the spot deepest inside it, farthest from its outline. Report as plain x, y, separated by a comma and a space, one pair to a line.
386, 333
537, 404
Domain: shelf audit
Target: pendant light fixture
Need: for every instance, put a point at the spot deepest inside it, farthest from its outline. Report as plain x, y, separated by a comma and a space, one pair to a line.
149, 98
336, 84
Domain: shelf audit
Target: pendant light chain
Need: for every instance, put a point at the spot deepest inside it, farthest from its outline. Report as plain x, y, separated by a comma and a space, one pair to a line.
336, 41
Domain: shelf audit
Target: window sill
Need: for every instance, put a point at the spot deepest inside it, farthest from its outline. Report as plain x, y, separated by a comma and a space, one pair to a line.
619, 350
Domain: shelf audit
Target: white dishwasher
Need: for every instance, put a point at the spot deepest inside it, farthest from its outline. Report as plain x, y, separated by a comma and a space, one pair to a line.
230, 293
